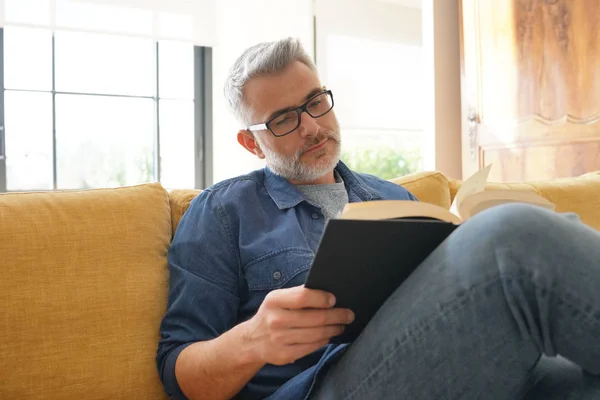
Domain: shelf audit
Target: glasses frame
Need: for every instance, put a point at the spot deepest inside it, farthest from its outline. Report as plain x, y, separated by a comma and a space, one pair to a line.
298, 110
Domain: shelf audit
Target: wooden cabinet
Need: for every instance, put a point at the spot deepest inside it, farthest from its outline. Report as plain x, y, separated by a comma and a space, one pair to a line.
530, 87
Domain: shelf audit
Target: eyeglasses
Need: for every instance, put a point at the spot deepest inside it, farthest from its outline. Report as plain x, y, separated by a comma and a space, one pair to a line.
287, 122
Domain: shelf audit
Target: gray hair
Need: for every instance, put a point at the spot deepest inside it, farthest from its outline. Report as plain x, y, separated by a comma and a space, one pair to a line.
259, 60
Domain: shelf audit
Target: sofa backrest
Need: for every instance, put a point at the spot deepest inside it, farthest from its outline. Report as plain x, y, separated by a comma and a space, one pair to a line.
578, 194
83, 288
431, 187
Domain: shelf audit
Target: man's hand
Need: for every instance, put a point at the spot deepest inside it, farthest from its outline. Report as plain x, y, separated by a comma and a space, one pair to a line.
294, 322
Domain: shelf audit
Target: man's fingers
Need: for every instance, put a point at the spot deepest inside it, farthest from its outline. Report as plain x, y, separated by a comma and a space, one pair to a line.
312, 335
313, 318
300, 297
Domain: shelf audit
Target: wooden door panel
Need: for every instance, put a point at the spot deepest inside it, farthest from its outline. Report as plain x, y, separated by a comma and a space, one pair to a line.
541, 160
558, 59
531, 74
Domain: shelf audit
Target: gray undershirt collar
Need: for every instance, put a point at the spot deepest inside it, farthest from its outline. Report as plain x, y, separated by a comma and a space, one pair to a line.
331, 198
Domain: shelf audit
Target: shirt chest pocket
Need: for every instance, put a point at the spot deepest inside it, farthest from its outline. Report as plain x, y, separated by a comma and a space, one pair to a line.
280, 269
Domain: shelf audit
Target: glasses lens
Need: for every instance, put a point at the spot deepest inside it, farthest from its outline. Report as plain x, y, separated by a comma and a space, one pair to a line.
284, 123
319, 105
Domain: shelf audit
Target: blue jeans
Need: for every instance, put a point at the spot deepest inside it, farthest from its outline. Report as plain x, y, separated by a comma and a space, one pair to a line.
508, 307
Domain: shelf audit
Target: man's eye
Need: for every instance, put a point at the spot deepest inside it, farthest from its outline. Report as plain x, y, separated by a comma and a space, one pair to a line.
315, 103
282, 121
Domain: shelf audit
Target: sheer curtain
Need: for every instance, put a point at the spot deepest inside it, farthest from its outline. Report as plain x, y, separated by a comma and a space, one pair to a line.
182, 20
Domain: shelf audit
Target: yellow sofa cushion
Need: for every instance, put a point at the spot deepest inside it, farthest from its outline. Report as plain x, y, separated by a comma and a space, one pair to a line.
580, 195
180, 200
83, 288
430, 187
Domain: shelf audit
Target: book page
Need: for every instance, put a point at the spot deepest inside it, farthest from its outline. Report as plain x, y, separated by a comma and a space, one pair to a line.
392, 209
474, 184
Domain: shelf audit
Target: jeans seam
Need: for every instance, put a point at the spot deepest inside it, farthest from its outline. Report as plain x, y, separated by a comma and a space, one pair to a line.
582, 318
448, 307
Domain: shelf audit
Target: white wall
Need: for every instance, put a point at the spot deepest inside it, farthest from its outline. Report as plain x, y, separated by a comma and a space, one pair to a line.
241, 24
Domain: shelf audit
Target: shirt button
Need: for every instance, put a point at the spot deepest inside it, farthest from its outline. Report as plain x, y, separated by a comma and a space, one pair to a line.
315, 216
277, 275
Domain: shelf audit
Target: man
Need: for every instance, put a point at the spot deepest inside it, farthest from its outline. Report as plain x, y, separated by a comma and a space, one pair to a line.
473, 321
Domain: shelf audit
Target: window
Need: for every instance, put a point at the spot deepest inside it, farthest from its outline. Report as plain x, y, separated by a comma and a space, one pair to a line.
376, 71
28, 140
380, 113
88, 110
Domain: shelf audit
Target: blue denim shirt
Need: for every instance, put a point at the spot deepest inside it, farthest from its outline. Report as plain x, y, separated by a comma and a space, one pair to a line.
240, 239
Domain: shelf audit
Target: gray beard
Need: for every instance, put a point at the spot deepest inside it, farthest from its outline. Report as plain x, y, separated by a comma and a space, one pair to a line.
291, 168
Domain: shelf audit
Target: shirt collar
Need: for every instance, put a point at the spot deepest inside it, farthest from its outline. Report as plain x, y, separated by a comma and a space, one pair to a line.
286, 195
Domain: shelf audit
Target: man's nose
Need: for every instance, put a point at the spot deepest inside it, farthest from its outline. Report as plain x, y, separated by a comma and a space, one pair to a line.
308, 125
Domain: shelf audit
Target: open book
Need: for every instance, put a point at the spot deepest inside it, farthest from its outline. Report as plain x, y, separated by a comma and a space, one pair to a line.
471, 199
372, 248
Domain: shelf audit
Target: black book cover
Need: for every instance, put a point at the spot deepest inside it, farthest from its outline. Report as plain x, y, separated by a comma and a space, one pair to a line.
362, 262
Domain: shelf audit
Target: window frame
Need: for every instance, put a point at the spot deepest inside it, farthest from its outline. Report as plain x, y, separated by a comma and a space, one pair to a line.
203, 128
2, 136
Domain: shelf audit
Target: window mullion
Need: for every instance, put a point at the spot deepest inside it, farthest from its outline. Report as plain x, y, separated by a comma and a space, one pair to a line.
2, 131
157, 171
203, 116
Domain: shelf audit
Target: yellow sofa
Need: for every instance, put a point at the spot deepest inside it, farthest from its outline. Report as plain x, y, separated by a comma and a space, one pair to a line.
84, 281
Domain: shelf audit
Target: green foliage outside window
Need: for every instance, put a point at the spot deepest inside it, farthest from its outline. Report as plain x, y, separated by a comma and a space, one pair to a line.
383, 162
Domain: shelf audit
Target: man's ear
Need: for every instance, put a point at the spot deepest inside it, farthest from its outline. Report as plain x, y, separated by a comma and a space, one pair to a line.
246, 139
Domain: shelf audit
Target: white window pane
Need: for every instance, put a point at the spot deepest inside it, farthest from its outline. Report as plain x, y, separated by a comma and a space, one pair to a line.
27, 58
94, 63
104, 141
177, 144
384, 153
381, 114
176, 70
28, 140
376, 83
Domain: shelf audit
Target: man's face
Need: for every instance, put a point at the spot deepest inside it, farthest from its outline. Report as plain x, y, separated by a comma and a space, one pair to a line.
310, 152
